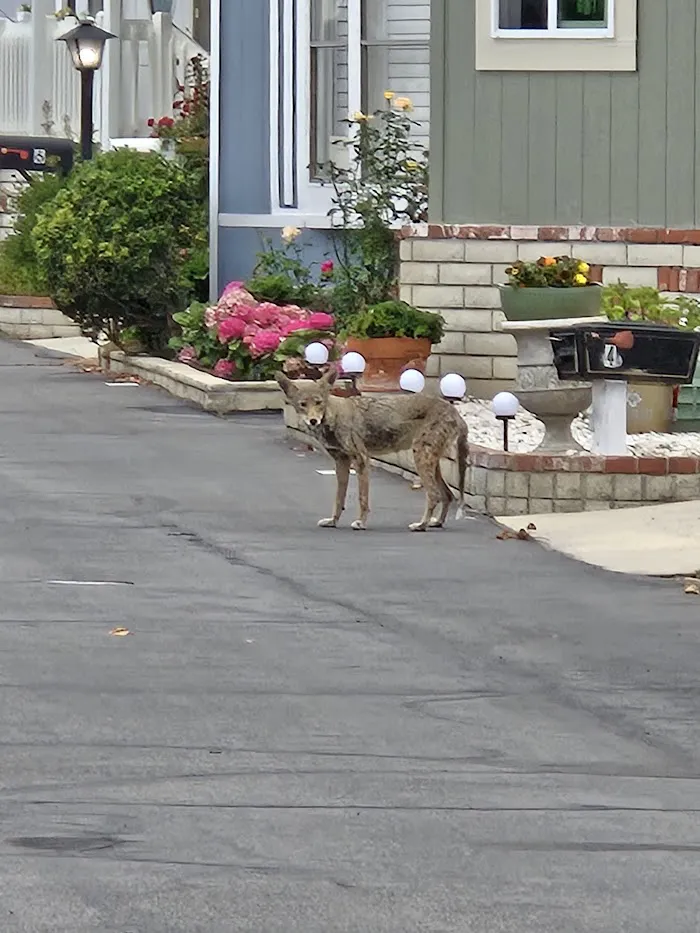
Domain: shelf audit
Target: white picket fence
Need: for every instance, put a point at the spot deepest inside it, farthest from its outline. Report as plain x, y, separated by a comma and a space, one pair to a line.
40, 90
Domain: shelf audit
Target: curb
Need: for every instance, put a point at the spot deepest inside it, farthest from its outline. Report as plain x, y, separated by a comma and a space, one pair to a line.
208, 392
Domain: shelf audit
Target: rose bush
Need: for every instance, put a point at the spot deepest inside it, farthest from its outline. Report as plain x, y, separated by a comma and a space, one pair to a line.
242, 338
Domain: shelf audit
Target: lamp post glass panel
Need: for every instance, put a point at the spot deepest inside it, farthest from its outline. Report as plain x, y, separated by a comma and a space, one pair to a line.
86, 44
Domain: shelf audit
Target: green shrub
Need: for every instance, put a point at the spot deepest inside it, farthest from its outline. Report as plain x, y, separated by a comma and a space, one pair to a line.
114, 243
645, 303
396, 319
18, 262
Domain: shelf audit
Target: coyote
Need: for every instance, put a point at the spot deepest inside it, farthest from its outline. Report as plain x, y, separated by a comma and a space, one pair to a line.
353, 429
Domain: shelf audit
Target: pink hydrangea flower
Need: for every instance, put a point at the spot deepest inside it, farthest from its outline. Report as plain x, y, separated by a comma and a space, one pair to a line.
321, 321
236, 293
232, 328
291, 326
265, 341
225, 369
188, 354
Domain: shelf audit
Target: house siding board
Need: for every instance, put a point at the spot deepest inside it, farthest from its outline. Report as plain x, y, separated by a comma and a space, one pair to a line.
599, 148
244, 109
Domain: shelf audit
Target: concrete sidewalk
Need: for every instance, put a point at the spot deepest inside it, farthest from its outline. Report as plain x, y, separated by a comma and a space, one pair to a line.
653, 540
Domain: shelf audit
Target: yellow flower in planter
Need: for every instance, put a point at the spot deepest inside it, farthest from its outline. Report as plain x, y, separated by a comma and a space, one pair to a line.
389, 95
549, 261
359, 117
290, 234
403, 103
580, 279
583, 267
411, 165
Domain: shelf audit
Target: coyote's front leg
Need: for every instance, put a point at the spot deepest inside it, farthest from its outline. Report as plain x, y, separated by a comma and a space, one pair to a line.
362, 466
342, 475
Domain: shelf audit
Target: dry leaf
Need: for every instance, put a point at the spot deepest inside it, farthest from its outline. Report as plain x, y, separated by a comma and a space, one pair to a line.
120, 632
692, 587
508, 535
416, 486
532, 527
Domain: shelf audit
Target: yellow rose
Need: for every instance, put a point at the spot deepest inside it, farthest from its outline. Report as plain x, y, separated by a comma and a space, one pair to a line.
289, 234
389, 95
403, 103
359, 116
411, 165
580, 279
583, 267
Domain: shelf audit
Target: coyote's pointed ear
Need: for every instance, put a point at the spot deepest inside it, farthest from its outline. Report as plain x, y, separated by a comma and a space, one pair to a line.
329, 377
286, 384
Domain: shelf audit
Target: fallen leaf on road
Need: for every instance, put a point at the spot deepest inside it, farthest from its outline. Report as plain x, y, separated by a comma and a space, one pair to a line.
532, 527
692, 587
120, 632
508, 535
416, 485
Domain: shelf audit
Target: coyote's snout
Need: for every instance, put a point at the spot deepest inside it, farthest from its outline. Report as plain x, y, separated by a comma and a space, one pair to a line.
352, 430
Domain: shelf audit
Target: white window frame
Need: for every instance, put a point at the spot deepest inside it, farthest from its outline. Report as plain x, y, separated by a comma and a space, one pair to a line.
553, 30
290, 112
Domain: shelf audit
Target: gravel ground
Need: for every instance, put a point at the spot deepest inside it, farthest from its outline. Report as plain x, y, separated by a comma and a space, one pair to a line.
526, 432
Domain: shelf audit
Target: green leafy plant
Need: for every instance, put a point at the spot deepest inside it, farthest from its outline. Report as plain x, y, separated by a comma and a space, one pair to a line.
396, 319
19, 251
623, 303
385, 184
282, 276
112, 245
550, 272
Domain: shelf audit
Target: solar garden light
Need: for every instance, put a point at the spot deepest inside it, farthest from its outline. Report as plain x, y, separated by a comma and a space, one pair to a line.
505, 406
412, 380
453, 387
353, 364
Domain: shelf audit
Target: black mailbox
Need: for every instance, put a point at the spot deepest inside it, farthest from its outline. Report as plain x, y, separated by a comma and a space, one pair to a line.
36, 154
626, 350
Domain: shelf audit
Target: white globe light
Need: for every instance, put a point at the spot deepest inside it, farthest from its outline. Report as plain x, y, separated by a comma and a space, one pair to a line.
316, 354
453, 386
353, 363
412, 380
505, 405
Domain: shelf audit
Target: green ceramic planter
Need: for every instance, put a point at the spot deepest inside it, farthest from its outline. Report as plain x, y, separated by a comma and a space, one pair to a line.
544, 304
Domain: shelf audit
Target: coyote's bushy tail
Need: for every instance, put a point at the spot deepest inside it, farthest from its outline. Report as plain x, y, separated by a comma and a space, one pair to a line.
462, 454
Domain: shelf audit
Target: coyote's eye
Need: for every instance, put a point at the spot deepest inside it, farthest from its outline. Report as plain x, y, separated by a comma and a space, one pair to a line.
303, 403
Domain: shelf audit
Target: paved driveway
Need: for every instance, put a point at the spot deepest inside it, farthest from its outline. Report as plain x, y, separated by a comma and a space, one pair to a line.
308, 731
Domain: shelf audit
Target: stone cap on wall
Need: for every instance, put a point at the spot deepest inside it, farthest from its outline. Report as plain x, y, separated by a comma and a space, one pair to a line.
581, 463
550, 234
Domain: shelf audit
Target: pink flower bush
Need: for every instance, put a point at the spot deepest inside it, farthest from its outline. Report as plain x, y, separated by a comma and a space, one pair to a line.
242, 338
225, 369
231, 328
327, 268
265, 341
321, 321
188, 354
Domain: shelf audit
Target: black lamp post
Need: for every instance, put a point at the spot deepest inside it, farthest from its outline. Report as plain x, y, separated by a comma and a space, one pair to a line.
86, 44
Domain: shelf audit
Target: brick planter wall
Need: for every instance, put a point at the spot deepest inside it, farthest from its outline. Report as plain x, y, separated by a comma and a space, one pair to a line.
456, 270
34, 318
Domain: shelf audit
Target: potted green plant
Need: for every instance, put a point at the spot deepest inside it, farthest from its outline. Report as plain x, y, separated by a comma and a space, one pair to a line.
653, 408
391, 336
24, 13
551, 288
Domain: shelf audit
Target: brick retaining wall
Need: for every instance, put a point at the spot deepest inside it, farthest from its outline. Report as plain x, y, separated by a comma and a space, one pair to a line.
455, 269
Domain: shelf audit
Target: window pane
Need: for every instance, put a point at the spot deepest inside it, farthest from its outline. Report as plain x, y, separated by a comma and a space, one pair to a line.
329, 105
329, 20
382, 20
405, 70
582, 14
522, 14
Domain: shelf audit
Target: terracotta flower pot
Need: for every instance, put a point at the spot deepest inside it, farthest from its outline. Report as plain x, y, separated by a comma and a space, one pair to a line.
386, 358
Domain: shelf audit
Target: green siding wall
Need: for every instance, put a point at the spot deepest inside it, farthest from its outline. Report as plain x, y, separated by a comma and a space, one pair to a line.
566, 148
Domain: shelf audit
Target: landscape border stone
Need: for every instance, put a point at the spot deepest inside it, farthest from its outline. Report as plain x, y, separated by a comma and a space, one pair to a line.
210, 393
33, 317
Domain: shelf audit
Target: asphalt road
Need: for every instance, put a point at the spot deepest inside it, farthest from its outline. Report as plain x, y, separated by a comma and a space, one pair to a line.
311, 731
